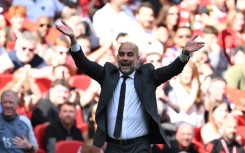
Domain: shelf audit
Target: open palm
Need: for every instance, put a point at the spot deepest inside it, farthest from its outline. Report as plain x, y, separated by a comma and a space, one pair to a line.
65, 29
192, 45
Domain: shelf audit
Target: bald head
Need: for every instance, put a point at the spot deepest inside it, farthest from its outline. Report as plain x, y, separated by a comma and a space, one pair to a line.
229, 128
184, 135
128, 57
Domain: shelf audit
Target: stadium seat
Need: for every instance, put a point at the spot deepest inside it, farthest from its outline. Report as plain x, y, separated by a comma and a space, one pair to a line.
40, 151
80, 121
4, 79
68, 146
39, 131
43, 84
80, 81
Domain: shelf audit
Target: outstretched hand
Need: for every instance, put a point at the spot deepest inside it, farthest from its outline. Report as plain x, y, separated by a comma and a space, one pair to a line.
192, 46
65, 29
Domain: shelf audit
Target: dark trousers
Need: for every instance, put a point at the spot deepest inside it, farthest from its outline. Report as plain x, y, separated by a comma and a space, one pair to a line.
137, 147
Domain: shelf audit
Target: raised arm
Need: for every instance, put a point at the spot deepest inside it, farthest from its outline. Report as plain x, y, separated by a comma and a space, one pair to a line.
91, 68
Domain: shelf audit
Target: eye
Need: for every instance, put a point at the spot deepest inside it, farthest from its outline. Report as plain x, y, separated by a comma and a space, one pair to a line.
130, 54
121, 54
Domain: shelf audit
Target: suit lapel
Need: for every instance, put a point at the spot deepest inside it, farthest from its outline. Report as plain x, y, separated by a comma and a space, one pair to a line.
137, 83
108, 90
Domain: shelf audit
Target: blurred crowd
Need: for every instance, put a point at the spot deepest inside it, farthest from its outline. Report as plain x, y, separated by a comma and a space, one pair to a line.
199, 98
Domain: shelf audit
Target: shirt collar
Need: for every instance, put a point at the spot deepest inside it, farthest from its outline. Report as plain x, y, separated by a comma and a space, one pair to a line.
131, 75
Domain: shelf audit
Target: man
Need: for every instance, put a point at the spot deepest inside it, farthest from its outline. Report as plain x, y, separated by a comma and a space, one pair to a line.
25, 53
227, 143
183, 142
47, 109
235, 75
16, 133
64, 128
139, 125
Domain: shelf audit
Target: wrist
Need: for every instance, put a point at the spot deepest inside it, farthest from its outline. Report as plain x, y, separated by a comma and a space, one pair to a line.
185, 52
31, 148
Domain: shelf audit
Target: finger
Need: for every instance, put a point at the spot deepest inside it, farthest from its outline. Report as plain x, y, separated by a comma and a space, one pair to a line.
194, 37
64, 22
17, 138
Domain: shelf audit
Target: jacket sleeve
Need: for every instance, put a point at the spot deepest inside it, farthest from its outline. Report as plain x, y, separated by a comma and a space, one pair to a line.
92, 69
165, 73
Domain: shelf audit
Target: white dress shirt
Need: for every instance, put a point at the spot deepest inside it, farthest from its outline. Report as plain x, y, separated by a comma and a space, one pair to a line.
135, 121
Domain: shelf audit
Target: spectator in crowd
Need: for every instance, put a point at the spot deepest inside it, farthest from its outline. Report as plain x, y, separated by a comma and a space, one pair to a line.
28, 90
188, 11
113, 18
100, 53
216, 57
219, 8
64, 128
235, 75
17, 15
215, 93
182, 35
186, 94
217, 113
24, 53
47, 109
226, 143
169, 15
61, 71
17, 134
42, 28
47, 8
161, 33
183, 142
234, 34
142, 34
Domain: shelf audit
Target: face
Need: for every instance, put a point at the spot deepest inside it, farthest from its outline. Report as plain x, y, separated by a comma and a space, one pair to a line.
146, 17
229, 129
155, 59
43, 27
173, 15
17, 22
61, 72
59, 94
220, 113
238, 24
85, 45
9, 105
186, 75
25, 50
182, 36
67, 114
128, 58
184, 135
60, 54
217, 90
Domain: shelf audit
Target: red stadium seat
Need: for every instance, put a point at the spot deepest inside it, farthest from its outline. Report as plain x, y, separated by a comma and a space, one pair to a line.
40, 151
68, 146
4, 79
44, 84
79, 120
39, 131
80, 81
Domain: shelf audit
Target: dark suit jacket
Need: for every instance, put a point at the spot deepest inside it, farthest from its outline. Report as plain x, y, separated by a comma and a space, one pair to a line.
146, 80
